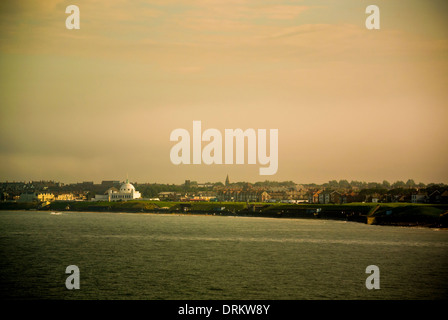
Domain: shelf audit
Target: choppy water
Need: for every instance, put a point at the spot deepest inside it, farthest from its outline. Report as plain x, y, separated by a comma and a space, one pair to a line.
149, 256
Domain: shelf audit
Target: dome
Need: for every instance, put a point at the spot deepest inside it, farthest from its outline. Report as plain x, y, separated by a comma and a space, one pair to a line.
127, 188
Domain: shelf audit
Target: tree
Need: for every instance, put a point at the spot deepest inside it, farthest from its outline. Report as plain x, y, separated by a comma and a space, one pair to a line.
421, 185
343, 184
333, 184
358, 184
90, 195
398, 184
410, 183
373, 185
386, 184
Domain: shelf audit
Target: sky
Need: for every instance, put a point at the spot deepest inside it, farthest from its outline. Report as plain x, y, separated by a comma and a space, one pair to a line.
99, 103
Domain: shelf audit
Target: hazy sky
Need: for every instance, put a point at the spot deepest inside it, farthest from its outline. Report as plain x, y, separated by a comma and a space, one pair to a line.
100, 102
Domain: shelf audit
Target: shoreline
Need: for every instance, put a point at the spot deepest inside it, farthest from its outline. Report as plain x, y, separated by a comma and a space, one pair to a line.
434, 216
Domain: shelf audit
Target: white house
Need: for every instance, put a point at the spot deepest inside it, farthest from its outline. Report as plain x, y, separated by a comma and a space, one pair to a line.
127, 192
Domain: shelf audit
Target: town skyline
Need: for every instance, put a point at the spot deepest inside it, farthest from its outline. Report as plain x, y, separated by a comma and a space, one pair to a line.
386, 183
336, 192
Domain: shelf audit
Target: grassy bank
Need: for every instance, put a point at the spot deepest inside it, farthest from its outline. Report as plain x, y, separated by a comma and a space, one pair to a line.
406, 214
411, 214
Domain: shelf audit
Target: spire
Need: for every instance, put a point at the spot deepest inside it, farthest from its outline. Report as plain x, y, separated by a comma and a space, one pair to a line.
127, 178
227, 180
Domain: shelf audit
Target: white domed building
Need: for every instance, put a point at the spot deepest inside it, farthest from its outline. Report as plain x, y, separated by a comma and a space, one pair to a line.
127, 192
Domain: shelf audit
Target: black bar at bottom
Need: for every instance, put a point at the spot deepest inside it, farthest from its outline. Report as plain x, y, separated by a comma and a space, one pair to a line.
223, 309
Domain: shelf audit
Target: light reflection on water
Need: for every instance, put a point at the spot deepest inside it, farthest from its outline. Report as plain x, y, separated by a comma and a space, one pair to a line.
146, 256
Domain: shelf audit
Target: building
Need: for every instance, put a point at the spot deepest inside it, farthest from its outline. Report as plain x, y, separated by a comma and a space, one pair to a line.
324, 197
65, 197
313, 196
444, 197
169, 196
336, 197
126, 192
245, 194
277, 196
419, 197
36, 196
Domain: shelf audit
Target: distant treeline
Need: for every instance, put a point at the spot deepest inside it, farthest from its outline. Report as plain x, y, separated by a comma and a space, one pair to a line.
344, 184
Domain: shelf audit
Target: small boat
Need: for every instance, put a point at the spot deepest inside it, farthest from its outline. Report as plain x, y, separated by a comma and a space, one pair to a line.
55, 213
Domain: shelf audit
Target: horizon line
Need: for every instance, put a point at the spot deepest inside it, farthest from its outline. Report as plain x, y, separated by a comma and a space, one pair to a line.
214, 182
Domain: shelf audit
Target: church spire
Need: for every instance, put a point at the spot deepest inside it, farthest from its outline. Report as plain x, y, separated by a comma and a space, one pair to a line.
227, 180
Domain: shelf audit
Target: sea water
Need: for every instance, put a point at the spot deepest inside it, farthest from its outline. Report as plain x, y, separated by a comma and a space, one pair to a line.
162, 256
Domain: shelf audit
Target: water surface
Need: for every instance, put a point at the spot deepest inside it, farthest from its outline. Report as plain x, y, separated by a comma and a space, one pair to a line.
153, 256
